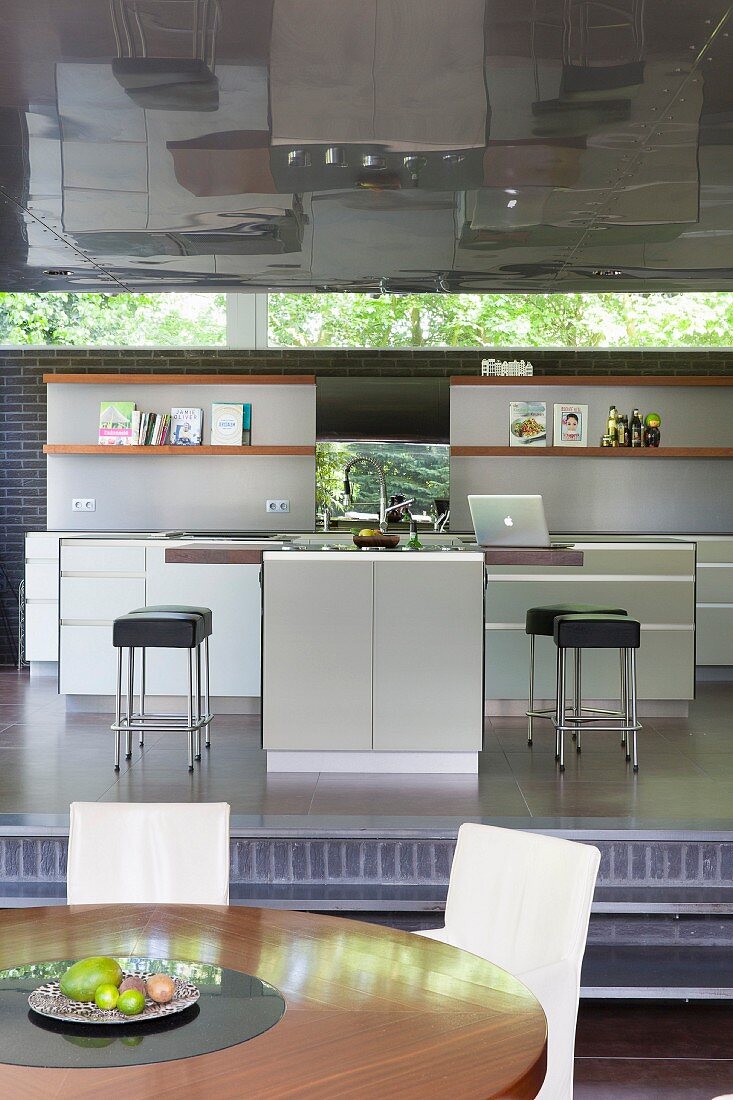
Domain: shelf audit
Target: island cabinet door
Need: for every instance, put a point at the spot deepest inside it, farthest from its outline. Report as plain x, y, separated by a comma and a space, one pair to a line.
428, 655
317, 654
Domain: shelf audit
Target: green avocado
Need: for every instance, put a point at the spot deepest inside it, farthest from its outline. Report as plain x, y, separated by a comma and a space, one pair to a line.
80, 981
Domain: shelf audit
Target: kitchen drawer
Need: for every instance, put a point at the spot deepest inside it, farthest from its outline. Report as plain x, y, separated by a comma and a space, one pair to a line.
41, 581
102, 559
666, 666
715, 549
652, 601
100, 598
715, 583
88, 663
42, 546
42, 631
715, 635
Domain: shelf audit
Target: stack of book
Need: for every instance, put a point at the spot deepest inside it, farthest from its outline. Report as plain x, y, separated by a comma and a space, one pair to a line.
150, 429
122, 424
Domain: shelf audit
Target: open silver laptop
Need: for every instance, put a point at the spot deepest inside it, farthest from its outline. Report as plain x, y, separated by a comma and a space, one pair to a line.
509, 520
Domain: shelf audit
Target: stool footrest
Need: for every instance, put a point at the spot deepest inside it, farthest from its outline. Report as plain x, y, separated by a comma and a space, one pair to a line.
136, 726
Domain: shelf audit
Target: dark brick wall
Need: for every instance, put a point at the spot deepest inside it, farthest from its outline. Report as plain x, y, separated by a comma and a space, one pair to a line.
23, 407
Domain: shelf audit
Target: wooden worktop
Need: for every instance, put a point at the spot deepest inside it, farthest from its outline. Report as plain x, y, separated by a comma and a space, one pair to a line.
252, 555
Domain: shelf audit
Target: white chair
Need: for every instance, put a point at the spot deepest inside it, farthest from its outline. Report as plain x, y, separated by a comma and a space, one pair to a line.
169, 853
523, 901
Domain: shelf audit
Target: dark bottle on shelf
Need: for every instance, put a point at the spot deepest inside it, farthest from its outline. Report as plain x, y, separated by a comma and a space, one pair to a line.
636, 430
622, 431
612, 426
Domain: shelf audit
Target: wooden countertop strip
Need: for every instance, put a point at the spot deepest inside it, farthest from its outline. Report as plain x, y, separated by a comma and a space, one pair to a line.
592, 452
180, 379
532, 555
577, 380
213, 555
96, 449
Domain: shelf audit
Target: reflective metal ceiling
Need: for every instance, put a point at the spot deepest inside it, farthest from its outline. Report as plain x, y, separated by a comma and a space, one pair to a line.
475, 145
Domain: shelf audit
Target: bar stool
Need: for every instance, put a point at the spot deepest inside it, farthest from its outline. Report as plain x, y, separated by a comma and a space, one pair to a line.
181, 609
579, 632
148, 629
540, 621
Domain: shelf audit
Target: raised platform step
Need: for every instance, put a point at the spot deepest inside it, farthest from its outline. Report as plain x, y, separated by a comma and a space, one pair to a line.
657, 973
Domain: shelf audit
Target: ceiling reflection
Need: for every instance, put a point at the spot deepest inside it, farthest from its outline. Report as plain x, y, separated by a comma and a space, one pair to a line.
477, 145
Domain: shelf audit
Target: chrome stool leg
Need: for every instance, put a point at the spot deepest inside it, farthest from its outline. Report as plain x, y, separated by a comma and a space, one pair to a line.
118, 709
634, 721
627, 703
142, 693
130, 701
190, 710
560, 708
207, 699
578, 697
197, 700
530, 726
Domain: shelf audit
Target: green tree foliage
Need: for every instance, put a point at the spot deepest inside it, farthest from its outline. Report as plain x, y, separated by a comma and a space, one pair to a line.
502, 320
116, 320
414, 470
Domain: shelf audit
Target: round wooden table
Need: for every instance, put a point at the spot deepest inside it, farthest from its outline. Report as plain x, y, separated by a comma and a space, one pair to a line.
371, 1012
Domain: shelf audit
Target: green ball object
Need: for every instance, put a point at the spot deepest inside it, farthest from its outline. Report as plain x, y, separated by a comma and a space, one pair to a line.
131, 1002
653, 420
106, 996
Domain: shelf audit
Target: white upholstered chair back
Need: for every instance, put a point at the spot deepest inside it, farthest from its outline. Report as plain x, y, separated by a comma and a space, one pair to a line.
523, 901
147, 852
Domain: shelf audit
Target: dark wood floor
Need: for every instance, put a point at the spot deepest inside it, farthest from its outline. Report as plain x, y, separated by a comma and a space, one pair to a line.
49, 758
654, 1051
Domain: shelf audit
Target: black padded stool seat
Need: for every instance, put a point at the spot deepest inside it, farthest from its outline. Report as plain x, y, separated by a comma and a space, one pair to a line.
597, 632
541, 620
158, 629
180, 609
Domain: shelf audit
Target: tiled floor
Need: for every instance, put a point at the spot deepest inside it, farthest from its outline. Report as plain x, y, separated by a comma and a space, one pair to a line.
49, 758
653, 1051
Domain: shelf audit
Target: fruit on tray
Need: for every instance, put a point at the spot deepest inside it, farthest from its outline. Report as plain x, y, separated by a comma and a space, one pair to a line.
133, 982
161, 988
131, 1002
106, 996
80, 982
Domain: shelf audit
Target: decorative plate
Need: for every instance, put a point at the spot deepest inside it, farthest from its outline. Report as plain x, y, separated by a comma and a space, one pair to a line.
48, 1000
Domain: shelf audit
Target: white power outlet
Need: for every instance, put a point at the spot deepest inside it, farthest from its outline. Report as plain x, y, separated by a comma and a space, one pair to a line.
277, 506
83, 504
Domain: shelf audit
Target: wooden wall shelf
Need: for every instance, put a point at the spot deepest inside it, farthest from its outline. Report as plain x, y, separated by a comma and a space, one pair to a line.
579, 380
181, 379
592, 452
156, 452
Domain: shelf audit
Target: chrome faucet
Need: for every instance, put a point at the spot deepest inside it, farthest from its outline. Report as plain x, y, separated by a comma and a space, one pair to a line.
382, 486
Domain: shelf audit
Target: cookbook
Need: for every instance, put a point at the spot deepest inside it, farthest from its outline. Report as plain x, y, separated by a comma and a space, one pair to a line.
527, 423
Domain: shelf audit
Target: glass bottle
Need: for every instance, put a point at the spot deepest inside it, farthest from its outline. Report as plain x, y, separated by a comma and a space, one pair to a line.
612, 426
636, 430
414, 543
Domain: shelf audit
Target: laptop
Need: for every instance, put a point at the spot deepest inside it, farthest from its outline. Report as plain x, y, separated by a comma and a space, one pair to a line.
509, 520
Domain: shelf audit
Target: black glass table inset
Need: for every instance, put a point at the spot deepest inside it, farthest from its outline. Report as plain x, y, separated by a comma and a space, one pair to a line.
233, 1007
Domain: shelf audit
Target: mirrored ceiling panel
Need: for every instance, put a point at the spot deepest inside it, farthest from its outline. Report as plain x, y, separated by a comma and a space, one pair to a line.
477, 145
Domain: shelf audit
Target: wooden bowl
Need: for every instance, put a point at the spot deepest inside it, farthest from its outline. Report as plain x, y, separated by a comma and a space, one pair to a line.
385, 542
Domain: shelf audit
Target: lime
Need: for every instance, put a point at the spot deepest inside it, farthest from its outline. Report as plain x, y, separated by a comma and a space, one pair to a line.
131, 1002
105, 995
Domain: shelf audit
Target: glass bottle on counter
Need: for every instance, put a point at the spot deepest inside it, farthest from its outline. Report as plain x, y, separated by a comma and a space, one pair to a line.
636, 431
414, 543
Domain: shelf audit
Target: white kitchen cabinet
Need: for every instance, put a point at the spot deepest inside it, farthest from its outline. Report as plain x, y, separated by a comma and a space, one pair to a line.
428, 644
317, 660
373, 663
100, 598
88, 664
41, 597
